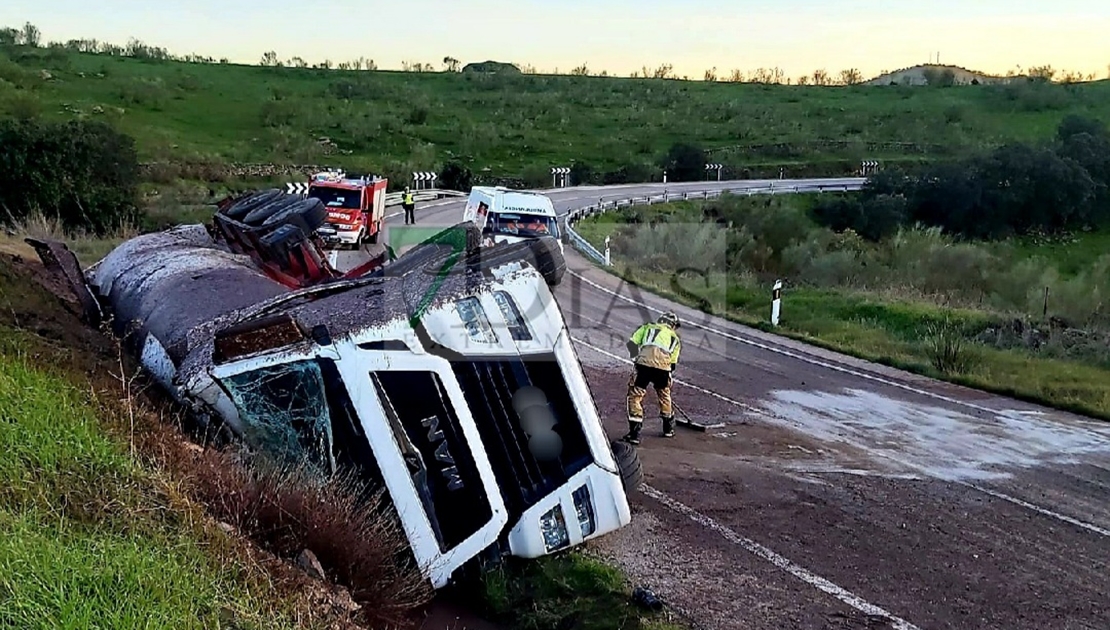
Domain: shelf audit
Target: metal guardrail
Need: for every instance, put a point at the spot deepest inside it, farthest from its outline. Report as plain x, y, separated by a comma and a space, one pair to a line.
584, 246
430, 194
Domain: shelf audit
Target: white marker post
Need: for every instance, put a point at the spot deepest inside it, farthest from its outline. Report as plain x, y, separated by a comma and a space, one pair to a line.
776, 302
608, 260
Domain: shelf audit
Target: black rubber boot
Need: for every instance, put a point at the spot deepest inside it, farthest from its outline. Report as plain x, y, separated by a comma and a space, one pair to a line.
668, 426
633, 436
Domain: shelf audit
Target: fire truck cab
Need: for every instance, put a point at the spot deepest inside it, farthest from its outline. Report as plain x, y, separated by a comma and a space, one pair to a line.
356, 207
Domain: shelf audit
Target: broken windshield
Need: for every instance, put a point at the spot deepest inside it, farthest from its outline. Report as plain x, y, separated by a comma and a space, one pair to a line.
284, 411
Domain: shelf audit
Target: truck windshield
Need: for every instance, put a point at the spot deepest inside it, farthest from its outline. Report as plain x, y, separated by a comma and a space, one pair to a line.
337, 197
520, 224
299, 413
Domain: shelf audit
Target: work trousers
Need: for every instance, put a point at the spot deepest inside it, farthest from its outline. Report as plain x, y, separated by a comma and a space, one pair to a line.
410, 213
641, 378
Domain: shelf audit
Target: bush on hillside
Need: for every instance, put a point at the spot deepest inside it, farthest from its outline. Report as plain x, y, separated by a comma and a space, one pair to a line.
83, 174
1016, 189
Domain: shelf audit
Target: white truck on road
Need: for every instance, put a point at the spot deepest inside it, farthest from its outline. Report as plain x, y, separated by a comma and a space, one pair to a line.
511, 216
505, 216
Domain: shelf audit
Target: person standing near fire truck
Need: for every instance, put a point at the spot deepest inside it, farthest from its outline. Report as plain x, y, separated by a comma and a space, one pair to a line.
409, 204
655, 348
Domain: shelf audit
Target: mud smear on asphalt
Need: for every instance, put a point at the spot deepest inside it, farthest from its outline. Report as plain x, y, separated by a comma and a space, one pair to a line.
939, 441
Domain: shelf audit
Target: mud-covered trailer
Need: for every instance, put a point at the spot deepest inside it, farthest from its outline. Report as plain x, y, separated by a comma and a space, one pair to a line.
447, 377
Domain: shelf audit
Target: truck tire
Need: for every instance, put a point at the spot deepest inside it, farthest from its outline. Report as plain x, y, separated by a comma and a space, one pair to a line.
255, 217
255, 200
307, 214
628, 462
550, 261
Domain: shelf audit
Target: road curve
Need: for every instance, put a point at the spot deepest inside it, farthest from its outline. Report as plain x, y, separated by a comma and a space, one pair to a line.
840, 493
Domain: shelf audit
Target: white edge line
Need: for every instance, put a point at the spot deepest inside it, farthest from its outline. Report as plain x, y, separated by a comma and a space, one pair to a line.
781, 562
1025, 504
920, 469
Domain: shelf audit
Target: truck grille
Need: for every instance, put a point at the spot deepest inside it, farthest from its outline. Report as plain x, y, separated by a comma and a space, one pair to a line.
488, 386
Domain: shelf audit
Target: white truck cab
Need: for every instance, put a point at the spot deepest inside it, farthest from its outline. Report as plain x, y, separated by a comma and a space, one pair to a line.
509, 216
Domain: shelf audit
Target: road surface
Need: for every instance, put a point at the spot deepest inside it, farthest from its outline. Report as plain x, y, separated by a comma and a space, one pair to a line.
840, 494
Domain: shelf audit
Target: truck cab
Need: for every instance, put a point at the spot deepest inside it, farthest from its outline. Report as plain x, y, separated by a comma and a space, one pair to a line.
356, 207
509, 216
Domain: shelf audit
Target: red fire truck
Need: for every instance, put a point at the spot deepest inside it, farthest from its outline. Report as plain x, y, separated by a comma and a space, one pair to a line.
356, 207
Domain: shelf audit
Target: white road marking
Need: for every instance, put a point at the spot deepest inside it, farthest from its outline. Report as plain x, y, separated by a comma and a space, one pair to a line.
920, 469
1036, 508
781, 562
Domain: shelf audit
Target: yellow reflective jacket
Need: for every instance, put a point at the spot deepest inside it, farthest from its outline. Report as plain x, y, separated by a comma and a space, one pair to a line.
408, 199
658, 345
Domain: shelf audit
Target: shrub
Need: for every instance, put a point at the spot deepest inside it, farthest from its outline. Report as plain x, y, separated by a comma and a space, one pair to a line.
83, 173
948, 348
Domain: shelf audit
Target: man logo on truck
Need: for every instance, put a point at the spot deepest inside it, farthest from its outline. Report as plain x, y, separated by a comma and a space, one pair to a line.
442, 454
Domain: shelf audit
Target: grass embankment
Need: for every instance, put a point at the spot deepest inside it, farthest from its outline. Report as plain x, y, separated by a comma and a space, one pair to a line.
518, 126
971, 313
92, 538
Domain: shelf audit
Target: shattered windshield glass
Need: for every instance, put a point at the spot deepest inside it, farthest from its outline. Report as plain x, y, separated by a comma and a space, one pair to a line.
284, 411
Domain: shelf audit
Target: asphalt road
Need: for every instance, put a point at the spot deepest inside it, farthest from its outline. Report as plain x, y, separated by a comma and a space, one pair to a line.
840, 494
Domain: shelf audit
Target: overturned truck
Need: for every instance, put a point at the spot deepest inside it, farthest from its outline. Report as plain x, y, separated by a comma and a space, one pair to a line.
446, 376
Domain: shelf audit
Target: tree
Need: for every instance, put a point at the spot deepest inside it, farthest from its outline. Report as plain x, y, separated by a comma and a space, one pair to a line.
9, 37
711, 75
684, 162
455, 176
82, 173
30, 35
581, 71
270, 59
820, 77
851, 76
450, 64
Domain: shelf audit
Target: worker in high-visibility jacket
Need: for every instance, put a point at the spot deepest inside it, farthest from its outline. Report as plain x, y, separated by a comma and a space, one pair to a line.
409, 204
655, 348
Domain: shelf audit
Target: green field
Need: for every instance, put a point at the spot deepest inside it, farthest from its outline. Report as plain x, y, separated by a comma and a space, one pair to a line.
968, 312
519, 126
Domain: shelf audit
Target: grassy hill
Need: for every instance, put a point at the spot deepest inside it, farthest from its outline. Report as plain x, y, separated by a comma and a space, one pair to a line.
520, 125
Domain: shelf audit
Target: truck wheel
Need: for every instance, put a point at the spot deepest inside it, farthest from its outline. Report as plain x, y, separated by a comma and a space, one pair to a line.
549, 260
258, 215
244, 206
628, 462
307, 214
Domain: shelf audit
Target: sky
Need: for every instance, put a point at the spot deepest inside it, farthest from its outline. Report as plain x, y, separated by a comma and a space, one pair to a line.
619, 36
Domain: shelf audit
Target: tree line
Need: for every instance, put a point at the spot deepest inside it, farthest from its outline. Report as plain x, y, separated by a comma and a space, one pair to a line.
1014, 190
30, 35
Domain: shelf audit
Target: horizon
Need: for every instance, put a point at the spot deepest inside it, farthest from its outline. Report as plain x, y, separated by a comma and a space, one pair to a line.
792, 35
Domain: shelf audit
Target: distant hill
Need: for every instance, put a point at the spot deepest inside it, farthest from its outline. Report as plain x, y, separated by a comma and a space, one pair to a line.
927, 73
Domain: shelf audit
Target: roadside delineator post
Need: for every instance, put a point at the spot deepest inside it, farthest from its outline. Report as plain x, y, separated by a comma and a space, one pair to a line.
608, 260
776, 302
